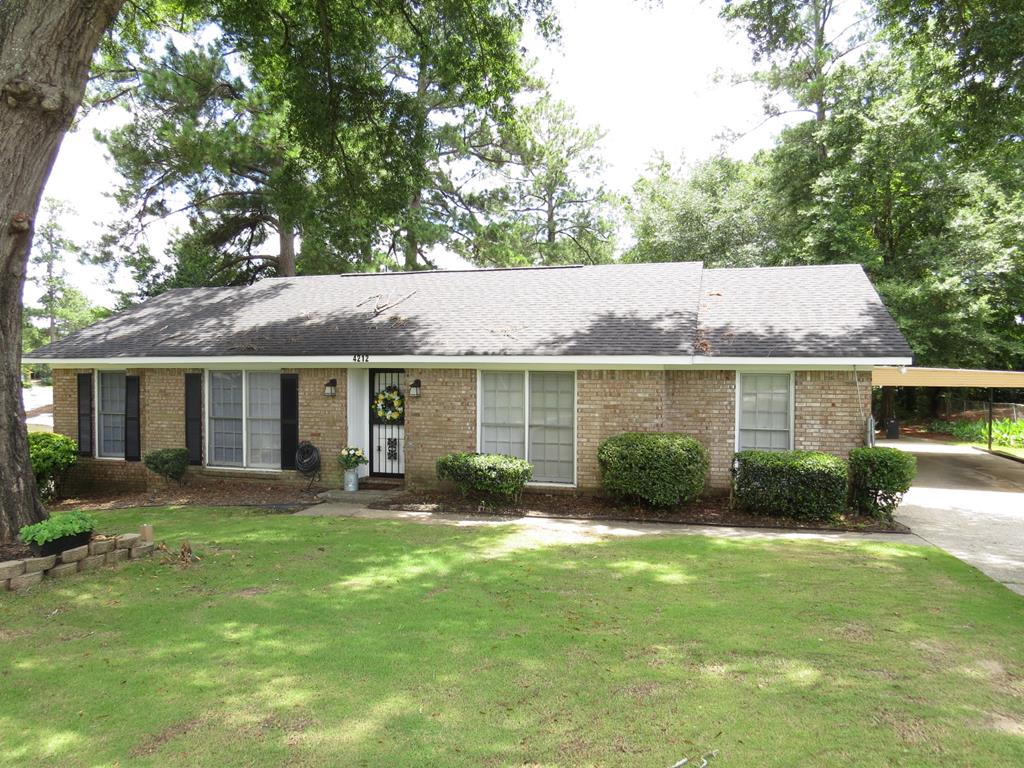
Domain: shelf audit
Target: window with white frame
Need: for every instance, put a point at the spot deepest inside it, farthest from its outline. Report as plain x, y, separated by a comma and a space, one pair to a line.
110, 414
226, 422
765, 411
263, 419
530, 415
245, 419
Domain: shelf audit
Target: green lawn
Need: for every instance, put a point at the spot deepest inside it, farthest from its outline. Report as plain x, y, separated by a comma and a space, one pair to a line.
334, 642
1018, 452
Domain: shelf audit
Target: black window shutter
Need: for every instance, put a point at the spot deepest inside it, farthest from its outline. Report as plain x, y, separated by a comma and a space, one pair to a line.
85, 416
194, 417
289, 419
132, 438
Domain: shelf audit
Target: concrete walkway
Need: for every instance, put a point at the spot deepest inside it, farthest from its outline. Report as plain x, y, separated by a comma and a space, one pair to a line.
970, 504
544, 531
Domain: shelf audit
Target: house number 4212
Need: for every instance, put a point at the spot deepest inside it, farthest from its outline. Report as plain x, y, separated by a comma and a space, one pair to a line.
360, 358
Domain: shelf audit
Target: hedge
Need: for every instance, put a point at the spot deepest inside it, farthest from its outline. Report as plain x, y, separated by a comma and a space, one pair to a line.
52, 455
167, 462
878, 479
662, 469
490, 474
800, 484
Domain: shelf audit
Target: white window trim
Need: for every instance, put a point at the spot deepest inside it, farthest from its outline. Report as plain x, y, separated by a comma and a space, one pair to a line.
737, 405
97, 437
526, 418
245, 426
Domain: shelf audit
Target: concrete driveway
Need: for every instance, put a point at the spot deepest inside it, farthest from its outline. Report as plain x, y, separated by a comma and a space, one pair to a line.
970, 504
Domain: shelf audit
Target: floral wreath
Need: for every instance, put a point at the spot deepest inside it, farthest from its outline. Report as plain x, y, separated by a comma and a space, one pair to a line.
388, 404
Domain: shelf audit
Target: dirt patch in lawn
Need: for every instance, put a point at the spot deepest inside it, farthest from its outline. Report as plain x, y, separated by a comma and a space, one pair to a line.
208, 493
153, 743
713, 510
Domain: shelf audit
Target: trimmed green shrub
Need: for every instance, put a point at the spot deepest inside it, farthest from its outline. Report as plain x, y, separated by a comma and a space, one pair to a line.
878, 479
490, 474
52, 455
805, 485
662, 469
167, 462
57, 526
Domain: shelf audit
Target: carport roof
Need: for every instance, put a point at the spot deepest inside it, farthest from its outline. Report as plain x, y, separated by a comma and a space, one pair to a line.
909, 376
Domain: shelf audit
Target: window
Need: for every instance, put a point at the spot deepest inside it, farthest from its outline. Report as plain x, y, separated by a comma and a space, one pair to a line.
245, 419
551, 427
765, 411
530, 415
264, 419
503, 427
111, 416
226, 444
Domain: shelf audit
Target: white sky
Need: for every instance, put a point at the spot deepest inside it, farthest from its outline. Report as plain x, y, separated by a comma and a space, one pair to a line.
656, 78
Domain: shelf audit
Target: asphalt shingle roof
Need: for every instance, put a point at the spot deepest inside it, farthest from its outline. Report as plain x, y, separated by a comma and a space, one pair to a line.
674, 309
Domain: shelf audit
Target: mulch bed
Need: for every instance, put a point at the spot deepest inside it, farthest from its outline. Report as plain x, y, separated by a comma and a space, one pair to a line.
713, 510
208, 493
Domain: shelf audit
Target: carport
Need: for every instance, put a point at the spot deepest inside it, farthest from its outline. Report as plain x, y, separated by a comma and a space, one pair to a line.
968, 502
909, 376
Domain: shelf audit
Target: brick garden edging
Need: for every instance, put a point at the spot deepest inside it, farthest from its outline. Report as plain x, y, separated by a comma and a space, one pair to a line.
21, 574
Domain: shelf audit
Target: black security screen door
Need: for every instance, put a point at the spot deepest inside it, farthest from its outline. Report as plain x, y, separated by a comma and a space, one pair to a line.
387, 435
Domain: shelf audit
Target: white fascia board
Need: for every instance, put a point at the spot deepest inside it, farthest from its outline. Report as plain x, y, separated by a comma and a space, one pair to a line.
473, 361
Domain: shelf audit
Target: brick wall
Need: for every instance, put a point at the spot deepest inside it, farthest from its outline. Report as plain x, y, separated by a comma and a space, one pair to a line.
610, 402
702, 404
826, 415
323, 420
89, 472
441, 420
696, 403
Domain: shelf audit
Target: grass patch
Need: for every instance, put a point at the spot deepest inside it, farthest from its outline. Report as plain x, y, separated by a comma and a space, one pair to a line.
325, 642
1009, 451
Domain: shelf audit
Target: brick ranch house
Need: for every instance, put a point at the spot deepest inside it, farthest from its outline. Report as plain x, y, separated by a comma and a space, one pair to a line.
541, 363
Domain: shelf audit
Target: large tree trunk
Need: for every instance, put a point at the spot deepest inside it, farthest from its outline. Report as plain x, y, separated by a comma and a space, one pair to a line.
46, 47
286, 258
412, 242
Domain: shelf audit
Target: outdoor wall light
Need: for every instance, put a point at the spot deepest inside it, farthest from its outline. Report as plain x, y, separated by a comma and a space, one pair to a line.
414, 389
331, 388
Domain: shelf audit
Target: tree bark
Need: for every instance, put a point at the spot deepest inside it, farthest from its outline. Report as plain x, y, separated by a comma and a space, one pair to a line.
286, 259
46, 47
412, 242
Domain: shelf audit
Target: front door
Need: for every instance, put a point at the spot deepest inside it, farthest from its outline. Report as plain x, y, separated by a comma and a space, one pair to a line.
387, 423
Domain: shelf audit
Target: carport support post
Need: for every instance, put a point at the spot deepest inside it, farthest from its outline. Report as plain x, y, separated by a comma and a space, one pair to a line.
991, 396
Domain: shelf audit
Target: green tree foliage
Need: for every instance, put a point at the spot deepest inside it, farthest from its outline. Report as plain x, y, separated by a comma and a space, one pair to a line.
986, 41
62, 308
355, 143
882, 176
544, 203
207, 142
713, 212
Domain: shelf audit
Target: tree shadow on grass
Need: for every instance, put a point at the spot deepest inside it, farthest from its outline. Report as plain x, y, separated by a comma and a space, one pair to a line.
350, 642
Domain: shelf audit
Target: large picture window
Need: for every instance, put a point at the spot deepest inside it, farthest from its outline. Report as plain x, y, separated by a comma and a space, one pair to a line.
245, 419
530, 415
765, 411
111, 414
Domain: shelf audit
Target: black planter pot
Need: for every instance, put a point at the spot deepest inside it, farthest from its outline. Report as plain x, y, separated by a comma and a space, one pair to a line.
56, 546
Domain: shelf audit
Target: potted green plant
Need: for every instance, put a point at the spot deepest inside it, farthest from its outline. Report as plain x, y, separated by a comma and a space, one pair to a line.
350, 459
65, 530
